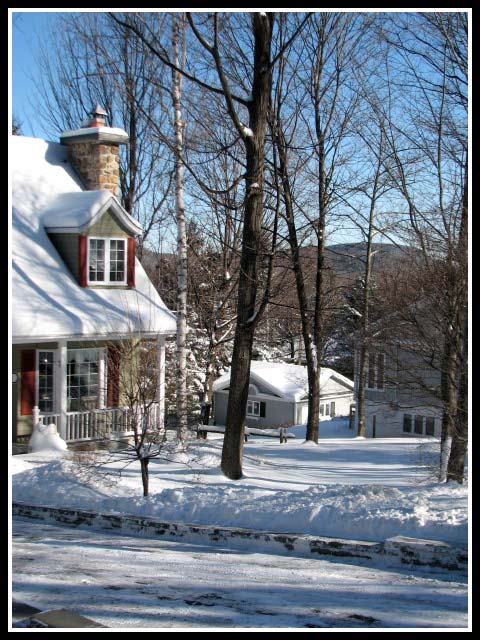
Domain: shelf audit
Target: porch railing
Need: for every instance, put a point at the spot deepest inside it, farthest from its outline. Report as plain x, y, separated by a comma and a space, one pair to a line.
103, 423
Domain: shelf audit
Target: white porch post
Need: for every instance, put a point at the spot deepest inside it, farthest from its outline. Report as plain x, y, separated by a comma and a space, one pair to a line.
101, 379
161, 380
61, 385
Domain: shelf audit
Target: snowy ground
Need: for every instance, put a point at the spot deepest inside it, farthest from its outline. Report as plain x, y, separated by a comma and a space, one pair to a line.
135, 583
342, 487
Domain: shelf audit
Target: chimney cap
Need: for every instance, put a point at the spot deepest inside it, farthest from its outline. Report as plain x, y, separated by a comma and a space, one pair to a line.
99, 111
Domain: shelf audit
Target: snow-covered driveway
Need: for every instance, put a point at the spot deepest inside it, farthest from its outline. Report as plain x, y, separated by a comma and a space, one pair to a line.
130, 582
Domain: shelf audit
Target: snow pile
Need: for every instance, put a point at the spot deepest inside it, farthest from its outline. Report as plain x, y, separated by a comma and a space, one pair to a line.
46, 438
289, 490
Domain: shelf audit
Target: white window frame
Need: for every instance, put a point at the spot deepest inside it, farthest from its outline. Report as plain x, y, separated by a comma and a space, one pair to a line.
37, 379
102, 374
106, 261
253, 404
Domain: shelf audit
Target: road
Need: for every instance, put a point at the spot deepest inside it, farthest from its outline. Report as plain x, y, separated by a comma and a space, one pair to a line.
123, 582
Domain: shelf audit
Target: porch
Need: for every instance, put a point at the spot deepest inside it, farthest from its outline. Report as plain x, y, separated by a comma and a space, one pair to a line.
101, 424
89, 390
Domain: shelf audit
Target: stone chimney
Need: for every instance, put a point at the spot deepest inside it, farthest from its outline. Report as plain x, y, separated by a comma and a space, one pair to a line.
93, 151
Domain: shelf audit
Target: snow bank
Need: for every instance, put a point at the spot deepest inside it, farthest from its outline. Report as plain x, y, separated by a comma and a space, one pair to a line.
199, 493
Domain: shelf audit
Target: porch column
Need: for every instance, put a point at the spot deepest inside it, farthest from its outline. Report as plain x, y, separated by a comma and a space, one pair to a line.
62, 387
161, 380
102, 379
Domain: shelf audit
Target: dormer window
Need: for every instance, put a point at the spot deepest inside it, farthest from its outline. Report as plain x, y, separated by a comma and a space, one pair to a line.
107, 262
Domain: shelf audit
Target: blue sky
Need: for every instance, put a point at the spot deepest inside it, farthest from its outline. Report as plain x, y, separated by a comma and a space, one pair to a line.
26, 29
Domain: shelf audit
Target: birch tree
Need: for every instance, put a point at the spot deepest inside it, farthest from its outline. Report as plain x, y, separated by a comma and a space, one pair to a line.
178, 29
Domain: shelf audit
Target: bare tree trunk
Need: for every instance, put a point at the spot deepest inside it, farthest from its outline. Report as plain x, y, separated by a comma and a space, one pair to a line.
458, 451
247, 290
313, 372
145, 476
181, 353
456, 462
365, 346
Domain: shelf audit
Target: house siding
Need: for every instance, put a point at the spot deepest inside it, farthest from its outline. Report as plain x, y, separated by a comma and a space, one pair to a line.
342, 402
278, 412
411, 386
107, 226
389, 419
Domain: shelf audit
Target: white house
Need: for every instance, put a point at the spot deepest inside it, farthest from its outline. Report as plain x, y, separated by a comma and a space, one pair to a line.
278, 395
403, 378
78, 289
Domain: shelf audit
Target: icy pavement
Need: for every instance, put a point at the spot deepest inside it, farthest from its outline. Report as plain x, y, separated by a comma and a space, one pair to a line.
124, 582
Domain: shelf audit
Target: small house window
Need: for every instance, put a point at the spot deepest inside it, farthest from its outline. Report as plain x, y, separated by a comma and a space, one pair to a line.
430, 426
322, 409
418, 425
83, 379
256, 409
327, 409
253, 408
107, 261
407, 423
46, 381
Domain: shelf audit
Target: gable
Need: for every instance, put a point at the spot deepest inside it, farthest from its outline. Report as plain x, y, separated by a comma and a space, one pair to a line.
108, 225
336, 385
80, 211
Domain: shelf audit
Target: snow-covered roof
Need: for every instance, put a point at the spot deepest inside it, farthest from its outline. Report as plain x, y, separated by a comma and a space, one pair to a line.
289, 381
79, 210
48, 303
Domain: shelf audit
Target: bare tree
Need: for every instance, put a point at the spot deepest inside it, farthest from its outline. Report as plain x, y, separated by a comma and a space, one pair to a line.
325, 108
134, 374
428, 143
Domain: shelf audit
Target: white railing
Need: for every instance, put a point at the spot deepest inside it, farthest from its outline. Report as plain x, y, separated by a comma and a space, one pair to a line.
103, 423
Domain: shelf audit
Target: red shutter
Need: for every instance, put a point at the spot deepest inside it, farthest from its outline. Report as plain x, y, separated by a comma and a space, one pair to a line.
28, 384
131, 247
113, 376
82, 261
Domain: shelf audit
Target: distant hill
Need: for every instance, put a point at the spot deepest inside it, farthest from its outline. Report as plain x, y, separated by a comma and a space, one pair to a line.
346, 259
349, 258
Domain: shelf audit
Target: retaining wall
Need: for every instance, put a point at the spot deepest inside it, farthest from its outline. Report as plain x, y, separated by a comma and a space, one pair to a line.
398, 550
